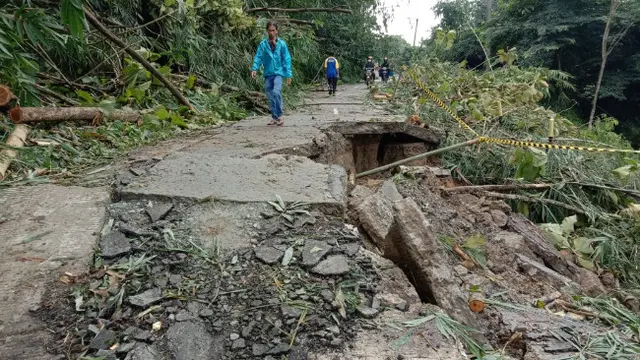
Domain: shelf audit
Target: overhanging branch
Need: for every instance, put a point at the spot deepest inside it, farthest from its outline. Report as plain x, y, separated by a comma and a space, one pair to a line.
298, 10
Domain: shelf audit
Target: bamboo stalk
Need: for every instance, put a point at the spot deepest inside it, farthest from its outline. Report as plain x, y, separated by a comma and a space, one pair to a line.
17, 139
416, 157
530, 199
116, 40
495, 187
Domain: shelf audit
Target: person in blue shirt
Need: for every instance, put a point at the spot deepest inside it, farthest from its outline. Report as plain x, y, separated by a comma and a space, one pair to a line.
332, 72
274, 55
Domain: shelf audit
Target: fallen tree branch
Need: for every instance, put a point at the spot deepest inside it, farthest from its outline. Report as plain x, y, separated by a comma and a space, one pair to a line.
530, 199
495, 187
254, 97
59, 96
69, 83
116, 40
17, 139
37, 114
298, 10
296, 21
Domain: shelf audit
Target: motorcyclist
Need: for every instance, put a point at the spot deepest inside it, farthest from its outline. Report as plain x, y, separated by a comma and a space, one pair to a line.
385, 64
370, 65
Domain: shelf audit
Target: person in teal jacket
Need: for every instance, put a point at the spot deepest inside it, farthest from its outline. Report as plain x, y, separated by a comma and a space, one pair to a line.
274, 55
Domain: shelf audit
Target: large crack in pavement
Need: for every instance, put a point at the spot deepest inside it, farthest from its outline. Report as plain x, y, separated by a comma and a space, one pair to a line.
238, 243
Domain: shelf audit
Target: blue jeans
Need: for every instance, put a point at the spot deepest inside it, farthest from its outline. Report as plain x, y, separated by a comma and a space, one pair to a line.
273, 87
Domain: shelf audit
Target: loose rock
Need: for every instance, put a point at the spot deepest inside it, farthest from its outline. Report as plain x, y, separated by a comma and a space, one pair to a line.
259, 349
290, 312
146, 298
367, 312
159, 211
333, 265
191, 341
268, 254
114, 244
106, 355
238, 344
103, 340
144, 352
314, 251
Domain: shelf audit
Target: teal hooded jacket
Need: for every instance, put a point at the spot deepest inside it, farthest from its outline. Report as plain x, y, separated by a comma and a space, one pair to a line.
276, 62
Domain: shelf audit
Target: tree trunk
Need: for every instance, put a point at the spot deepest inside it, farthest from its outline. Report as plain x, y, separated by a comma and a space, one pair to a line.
116, 40
17, 139
37, 114
605, 54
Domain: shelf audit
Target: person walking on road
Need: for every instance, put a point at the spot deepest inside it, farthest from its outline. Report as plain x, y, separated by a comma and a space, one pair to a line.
274, 55
332, 72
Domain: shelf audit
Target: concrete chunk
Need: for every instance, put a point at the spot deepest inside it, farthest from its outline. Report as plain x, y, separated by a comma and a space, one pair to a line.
423, 254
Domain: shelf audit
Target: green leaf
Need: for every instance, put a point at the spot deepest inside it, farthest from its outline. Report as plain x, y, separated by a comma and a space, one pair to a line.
169, 3
623, 172
162, 113
179, 121
288, 255
85, 96
557, 235
585, 263
72, 15
568, 224
475, 242
281, 202
107, 106
583, 245
190, 82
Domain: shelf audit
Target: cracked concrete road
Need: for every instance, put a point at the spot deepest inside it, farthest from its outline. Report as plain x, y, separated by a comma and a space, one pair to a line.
48, 230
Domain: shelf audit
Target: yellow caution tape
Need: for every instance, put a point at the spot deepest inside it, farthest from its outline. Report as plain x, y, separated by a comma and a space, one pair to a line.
553, 146
440, 103
518, 143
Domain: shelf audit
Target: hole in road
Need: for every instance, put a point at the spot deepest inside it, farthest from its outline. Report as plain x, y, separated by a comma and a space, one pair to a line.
365, 146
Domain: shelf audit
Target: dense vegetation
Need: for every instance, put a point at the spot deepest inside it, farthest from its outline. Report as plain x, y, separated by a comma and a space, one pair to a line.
561, 35
51, 53
540, 81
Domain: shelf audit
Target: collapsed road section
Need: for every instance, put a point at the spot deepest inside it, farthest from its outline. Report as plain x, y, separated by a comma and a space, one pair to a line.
253, 242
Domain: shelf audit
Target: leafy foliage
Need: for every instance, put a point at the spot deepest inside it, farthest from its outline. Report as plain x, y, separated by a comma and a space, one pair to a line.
561, 35
507, 103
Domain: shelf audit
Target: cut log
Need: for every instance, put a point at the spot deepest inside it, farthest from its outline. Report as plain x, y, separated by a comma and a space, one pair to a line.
15, 114
37, 114
5, 96
476, 302
17, 139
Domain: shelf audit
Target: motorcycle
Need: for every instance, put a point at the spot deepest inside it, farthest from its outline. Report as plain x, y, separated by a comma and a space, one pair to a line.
368, 76
384, 74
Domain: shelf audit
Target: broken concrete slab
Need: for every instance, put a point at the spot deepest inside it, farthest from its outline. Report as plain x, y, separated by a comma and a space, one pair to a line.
200, 176
314, 251
427, 260
333, 265
56, 228
158, 210
376, 217
268, 254
114, 244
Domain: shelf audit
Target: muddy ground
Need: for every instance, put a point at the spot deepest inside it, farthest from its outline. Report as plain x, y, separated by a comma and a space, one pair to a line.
292, 260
